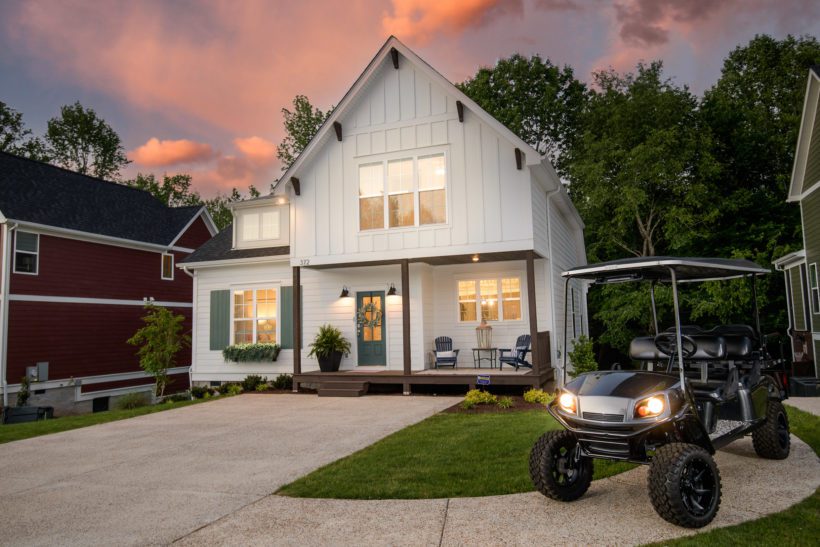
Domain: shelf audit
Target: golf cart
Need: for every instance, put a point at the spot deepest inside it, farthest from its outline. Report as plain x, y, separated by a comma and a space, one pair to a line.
695, 392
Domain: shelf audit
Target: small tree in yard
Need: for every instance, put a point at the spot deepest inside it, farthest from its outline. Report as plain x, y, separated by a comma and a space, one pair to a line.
159, 340
582, 357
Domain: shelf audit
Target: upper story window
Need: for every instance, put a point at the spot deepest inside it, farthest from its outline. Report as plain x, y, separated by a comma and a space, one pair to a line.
26, 252
403, 192
814, 287
168, 267
258, 226
489, 299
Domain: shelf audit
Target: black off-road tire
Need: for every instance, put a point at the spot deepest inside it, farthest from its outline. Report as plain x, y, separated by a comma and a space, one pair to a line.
771, 440
671, 489
545, 474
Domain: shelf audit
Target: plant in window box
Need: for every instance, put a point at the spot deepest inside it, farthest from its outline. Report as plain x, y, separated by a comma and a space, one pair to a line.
247, 353
328, 347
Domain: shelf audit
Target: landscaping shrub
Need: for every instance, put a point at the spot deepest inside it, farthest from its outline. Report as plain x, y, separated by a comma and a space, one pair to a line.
261, 387
179, 397
505, 402
243, 353
24, 393
283, 381
538, 396
231, 388
200, 392
251, 382
133, 400
477, 397
582, 357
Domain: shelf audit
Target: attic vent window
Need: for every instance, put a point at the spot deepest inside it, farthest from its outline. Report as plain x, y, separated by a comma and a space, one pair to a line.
168, 267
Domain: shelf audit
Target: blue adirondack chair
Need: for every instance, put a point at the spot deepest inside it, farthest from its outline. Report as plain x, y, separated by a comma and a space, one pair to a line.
518, 355
446, 356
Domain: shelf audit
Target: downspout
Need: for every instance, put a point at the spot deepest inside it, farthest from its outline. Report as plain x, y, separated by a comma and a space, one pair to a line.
7, 231
193, 330
550, 194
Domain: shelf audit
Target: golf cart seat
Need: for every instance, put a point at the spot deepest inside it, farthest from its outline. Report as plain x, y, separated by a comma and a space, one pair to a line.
740, 340
709, 347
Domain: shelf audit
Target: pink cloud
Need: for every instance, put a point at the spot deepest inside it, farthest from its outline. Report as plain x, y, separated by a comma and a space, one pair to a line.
419, 21
257, 149
157, 153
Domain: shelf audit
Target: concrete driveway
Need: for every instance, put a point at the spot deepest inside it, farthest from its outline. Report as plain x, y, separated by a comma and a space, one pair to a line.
156, 478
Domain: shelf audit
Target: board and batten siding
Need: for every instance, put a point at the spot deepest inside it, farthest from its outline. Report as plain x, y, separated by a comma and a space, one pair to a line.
403, 114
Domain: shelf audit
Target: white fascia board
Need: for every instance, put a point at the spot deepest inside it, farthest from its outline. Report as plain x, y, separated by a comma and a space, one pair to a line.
206, 217
98, 301
790, 259
234, 262
532, 157
97, 238
804, 138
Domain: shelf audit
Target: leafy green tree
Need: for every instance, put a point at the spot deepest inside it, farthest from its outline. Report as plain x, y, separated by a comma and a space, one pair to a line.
15, 138
82, 141
538, 101
301, 124
582, 357
173, 190
159, 342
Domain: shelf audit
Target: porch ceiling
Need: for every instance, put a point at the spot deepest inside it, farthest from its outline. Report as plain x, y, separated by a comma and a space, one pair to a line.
437, 260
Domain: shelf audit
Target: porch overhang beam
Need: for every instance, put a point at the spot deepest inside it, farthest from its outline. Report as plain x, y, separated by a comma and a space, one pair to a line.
500, 256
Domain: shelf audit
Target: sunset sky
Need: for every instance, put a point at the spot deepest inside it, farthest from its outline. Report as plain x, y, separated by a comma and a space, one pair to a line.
198, 86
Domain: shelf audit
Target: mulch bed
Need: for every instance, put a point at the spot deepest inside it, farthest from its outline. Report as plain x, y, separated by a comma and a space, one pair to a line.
519, 405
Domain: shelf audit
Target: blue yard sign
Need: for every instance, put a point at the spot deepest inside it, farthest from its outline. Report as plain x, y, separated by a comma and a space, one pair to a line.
483, 380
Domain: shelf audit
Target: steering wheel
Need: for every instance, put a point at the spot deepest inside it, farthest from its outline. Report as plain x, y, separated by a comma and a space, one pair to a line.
666, 343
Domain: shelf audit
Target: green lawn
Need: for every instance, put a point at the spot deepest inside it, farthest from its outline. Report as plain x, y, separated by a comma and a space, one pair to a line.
794, 526
16, 432
447, 455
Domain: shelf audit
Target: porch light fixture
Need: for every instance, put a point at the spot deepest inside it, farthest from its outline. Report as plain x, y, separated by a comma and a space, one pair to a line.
392, 290
475, 258
345, 292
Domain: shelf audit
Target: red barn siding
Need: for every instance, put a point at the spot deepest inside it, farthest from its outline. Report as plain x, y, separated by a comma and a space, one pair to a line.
77, 339
195, 236
72, 268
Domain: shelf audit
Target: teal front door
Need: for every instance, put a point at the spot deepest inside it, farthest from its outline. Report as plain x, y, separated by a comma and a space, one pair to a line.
370, 331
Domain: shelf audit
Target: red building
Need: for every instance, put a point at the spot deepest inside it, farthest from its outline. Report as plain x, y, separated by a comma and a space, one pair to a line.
80, 258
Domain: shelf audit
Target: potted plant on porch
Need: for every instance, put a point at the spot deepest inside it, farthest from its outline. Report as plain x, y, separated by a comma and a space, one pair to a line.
328, 347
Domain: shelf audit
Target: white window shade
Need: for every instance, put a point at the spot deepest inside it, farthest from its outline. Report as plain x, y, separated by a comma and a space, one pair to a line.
270, 225
250, 226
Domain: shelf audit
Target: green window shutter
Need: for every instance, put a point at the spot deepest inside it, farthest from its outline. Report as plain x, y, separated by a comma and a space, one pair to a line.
286, 315
220, 320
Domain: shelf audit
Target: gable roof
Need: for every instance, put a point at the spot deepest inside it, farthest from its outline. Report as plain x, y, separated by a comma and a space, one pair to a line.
39, 193
531, 156
808, 140
220, 247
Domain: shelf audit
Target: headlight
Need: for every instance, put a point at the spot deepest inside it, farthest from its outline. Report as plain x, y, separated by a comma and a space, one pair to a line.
650, 407
567, 402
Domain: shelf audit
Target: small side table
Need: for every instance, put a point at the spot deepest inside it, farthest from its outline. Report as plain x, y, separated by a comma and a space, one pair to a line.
489, 354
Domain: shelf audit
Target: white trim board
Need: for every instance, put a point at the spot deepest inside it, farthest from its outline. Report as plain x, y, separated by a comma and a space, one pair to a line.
90, 380
102, 301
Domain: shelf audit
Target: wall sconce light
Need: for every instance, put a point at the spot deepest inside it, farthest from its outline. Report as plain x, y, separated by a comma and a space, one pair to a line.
475, 258
345, 292
392, 290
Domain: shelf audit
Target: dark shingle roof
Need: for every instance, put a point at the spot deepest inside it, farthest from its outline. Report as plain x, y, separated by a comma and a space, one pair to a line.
219, 248
31, 191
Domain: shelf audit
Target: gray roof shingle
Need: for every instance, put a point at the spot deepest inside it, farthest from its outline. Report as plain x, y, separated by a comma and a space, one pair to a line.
219, 248
39, 193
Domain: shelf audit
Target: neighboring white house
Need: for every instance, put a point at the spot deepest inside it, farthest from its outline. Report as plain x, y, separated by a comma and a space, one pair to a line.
407, 176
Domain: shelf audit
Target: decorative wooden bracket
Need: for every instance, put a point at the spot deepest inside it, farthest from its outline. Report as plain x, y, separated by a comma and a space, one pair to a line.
519, 159
296, 188
460, 109
394, 54
338, 128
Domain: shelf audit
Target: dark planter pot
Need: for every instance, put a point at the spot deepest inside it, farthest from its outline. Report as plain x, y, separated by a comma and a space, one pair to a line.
331, 362
22, 414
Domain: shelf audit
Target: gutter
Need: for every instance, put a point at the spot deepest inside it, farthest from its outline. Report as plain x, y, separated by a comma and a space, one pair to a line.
550, 195
8, 228
194, 289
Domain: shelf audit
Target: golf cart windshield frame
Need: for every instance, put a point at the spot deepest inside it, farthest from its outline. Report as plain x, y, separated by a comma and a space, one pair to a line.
664, 269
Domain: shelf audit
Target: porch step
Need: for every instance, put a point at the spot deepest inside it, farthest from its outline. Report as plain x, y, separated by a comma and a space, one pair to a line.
343, 389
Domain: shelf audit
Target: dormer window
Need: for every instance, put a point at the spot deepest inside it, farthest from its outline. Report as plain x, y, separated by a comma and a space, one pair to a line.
260, 226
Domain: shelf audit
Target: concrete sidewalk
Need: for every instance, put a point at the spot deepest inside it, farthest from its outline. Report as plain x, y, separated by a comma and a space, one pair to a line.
807, 404
159, 477
615, 511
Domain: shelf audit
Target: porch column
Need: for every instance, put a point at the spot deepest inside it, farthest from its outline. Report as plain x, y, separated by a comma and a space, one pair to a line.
533, 314
405, 316
297, 324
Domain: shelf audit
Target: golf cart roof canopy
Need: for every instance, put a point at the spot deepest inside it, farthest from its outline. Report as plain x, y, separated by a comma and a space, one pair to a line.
657, 268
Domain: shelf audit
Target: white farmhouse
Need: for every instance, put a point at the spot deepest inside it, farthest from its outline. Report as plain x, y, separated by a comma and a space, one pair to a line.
415, 207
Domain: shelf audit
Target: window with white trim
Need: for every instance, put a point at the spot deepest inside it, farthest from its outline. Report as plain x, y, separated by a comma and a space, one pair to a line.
814, 287
254, 316
26, 252
260, 226
400, 193
167, 267
493, 299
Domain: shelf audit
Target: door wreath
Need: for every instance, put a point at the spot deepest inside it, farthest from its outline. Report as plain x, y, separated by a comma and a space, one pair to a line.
362, 320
